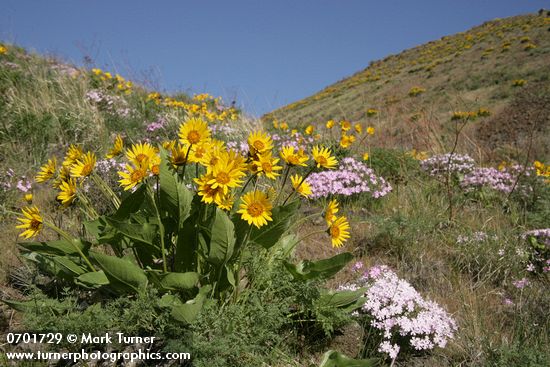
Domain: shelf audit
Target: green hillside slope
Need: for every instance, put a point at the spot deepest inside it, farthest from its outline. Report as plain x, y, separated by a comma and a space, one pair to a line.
412, 95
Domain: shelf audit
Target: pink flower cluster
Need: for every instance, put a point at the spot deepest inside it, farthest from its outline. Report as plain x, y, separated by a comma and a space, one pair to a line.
296, 140
399, 311
443, 164
156, 125
540, 255
498, 180
351, 178
112, 104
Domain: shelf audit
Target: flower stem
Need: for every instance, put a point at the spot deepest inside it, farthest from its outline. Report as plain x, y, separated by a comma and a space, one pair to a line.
68, 238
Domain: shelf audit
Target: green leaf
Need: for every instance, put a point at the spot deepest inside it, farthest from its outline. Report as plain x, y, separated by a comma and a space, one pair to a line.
175, 198
185, 312
93, 279
57, 247
178, 281
145, 232
122, 274
270, 234
348, 300
222, 239
336, 359
325, 268
68, 266
131, 203
186, 246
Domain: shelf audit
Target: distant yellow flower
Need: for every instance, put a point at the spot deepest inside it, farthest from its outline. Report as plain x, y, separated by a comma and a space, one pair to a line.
339, 231
255, 208
358, 128
284, 126
194, 131
300, 185
330, 124
68, 192
293, 157
330, 211
366, 156
28, 198
132, 176
372, 112
259, 142
141, 154
31, 222
267, 165
3, 49
309, 130
96, 71
275, 124
117, 147
323, 157
370, 130
346, 141
345, 125
46, 171
84, 166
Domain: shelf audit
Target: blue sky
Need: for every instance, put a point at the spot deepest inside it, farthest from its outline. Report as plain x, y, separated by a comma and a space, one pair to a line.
264, 54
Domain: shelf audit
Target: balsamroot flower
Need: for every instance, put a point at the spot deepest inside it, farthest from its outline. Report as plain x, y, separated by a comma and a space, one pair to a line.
255, 208
31, 222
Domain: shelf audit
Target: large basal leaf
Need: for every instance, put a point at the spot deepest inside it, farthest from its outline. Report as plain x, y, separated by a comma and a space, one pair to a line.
122, 274
131, 203
93, 279
222, 238
185, 312
176, 281
186, 246
325, 268
57, 247
348, 300
175, 198
270, 234
333, 358
68, 266
145, 232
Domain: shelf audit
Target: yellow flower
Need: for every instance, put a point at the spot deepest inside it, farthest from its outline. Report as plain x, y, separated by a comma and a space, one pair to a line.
31, 223
212, 156
206, 191
259, 142
339, 231
267, 165
300, 185
292, 157
97, 71
46, 171
370, 130
366, 156
330, 124
178, 155
346, 140
3, 49
225, 202
68, 192
275, 124
293, 132
84, 166
227, 172
284, 126
330, 211
198, 152
28, 198
194, 131
323, 158
73, 154
309, 130
358, 128
141, 154
372, 112
255, 208
132, 176
345, 125
117, 147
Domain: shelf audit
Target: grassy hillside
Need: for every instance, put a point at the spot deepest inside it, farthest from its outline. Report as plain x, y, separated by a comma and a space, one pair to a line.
495, 66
